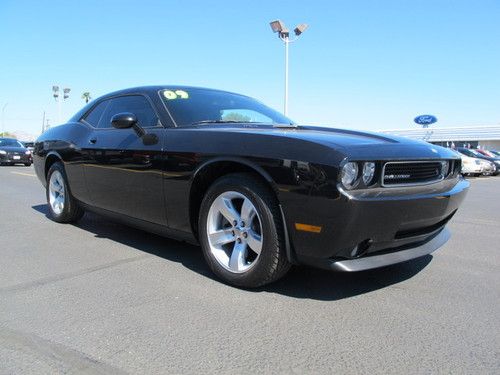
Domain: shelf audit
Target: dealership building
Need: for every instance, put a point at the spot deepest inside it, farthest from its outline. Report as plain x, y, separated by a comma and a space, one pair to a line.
484, 137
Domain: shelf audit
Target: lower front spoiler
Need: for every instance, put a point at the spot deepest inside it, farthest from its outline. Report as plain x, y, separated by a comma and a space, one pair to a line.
398, 256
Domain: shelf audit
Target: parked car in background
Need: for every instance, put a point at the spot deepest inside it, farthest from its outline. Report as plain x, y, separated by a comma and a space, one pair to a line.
29, 145
471, 166
475, 154
489, 168
13, 152
496, 153
256, 191
486, 153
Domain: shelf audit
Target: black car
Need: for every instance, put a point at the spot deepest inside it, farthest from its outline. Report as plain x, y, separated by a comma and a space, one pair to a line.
13, 152
256, 191
476, 154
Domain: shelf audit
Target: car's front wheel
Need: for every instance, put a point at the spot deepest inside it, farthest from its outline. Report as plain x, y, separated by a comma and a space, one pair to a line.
63, 208
241, 231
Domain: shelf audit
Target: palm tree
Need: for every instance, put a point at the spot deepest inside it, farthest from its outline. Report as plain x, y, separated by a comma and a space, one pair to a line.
86, 96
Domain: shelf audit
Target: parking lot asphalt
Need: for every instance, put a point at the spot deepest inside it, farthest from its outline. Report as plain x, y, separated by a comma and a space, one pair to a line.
100, 297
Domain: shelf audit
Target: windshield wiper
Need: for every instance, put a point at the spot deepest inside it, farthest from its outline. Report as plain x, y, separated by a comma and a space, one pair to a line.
220, 122
290, 125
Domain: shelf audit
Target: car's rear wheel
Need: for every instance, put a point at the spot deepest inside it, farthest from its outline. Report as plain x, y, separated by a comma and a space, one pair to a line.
63, 208
241, 231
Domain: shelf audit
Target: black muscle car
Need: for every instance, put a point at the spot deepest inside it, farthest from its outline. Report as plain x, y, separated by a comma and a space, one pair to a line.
255, 190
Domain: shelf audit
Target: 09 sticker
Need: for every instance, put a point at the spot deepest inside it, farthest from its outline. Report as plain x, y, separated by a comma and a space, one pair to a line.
177, 94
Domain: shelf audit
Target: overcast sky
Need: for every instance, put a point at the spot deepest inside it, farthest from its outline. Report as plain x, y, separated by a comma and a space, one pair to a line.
361, 64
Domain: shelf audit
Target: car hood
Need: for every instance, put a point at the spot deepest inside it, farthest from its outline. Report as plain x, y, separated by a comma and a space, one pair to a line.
13, 149
355, 145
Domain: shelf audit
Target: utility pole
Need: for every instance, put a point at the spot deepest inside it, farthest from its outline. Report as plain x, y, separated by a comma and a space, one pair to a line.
43, 122
3, 119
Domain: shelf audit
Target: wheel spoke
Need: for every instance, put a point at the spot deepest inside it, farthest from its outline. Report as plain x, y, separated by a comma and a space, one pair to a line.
53, 185
254, 240
247, 212
221, 237
237, 260
226, 208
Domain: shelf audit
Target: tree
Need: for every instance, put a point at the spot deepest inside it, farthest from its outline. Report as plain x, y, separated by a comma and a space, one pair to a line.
235, 116
86, 96
7, 135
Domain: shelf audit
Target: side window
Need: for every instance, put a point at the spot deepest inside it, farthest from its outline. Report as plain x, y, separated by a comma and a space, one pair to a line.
95, 114
135, 104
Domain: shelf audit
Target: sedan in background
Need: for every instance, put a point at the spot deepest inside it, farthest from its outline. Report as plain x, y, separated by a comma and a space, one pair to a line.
471, 166
476, 154
486, 153
13, 152
489, 168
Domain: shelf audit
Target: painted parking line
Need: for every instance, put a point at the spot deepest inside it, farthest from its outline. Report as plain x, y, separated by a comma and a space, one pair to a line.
24, 174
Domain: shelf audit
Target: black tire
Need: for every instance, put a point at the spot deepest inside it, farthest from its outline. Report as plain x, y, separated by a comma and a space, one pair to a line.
71, 211
27, 164
272, 263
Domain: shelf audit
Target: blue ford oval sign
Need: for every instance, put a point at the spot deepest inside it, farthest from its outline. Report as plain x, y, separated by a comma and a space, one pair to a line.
425, 119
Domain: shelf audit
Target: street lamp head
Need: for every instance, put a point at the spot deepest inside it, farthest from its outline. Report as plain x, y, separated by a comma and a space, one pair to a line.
300, 28
55, 89
278, 26
66, 93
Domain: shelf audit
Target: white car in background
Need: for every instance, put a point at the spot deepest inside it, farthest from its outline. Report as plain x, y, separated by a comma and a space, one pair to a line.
489, 168
472, 166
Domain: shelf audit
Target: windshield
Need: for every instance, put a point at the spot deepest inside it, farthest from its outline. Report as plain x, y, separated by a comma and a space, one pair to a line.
198, 106
10, 143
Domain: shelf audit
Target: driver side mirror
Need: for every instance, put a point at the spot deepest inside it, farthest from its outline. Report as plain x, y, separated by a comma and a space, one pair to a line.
124, 120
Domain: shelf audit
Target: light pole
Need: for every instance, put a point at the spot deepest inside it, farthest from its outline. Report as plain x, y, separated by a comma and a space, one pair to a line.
283, 33
59, 100
3, 119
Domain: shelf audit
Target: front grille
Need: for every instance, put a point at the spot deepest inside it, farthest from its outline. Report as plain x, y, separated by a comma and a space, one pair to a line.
411, 173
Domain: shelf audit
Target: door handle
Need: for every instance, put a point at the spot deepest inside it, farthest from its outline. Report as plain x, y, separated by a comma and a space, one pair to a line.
92, 141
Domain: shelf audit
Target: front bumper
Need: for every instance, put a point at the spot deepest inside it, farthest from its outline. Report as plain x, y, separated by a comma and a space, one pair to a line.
381, 224
393, 257
15, 159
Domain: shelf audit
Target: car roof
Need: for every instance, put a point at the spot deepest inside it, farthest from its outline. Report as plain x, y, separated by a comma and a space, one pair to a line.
155, 88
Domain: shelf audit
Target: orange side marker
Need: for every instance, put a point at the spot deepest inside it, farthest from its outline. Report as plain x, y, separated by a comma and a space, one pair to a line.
307, 228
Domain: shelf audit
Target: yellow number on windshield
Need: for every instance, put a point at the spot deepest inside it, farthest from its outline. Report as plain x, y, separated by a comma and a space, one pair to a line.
177, 94
182, 94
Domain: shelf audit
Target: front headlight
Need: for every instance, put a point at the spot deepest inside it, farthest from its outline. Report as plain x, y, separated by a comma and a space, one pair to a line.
28, 152
445, 167
368, 172
2, 152
349, 174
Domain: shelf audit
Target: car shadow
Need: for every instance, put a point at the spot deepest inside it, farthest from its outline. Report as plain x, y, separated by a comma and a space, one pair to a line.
300, 282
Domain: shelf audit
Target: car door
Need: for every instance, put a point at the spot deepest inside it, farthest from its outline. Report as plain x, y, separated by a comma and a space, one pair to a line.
122, 171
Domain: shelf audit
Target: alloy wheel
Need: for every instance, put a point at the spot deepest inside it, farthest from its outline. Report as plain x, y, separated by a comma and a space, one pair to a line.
56, 192
234, 231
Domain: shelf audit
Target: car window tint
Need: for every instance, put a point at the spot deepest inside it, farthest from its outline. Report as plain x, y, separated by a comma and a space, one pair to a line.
95, 115
136, 104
